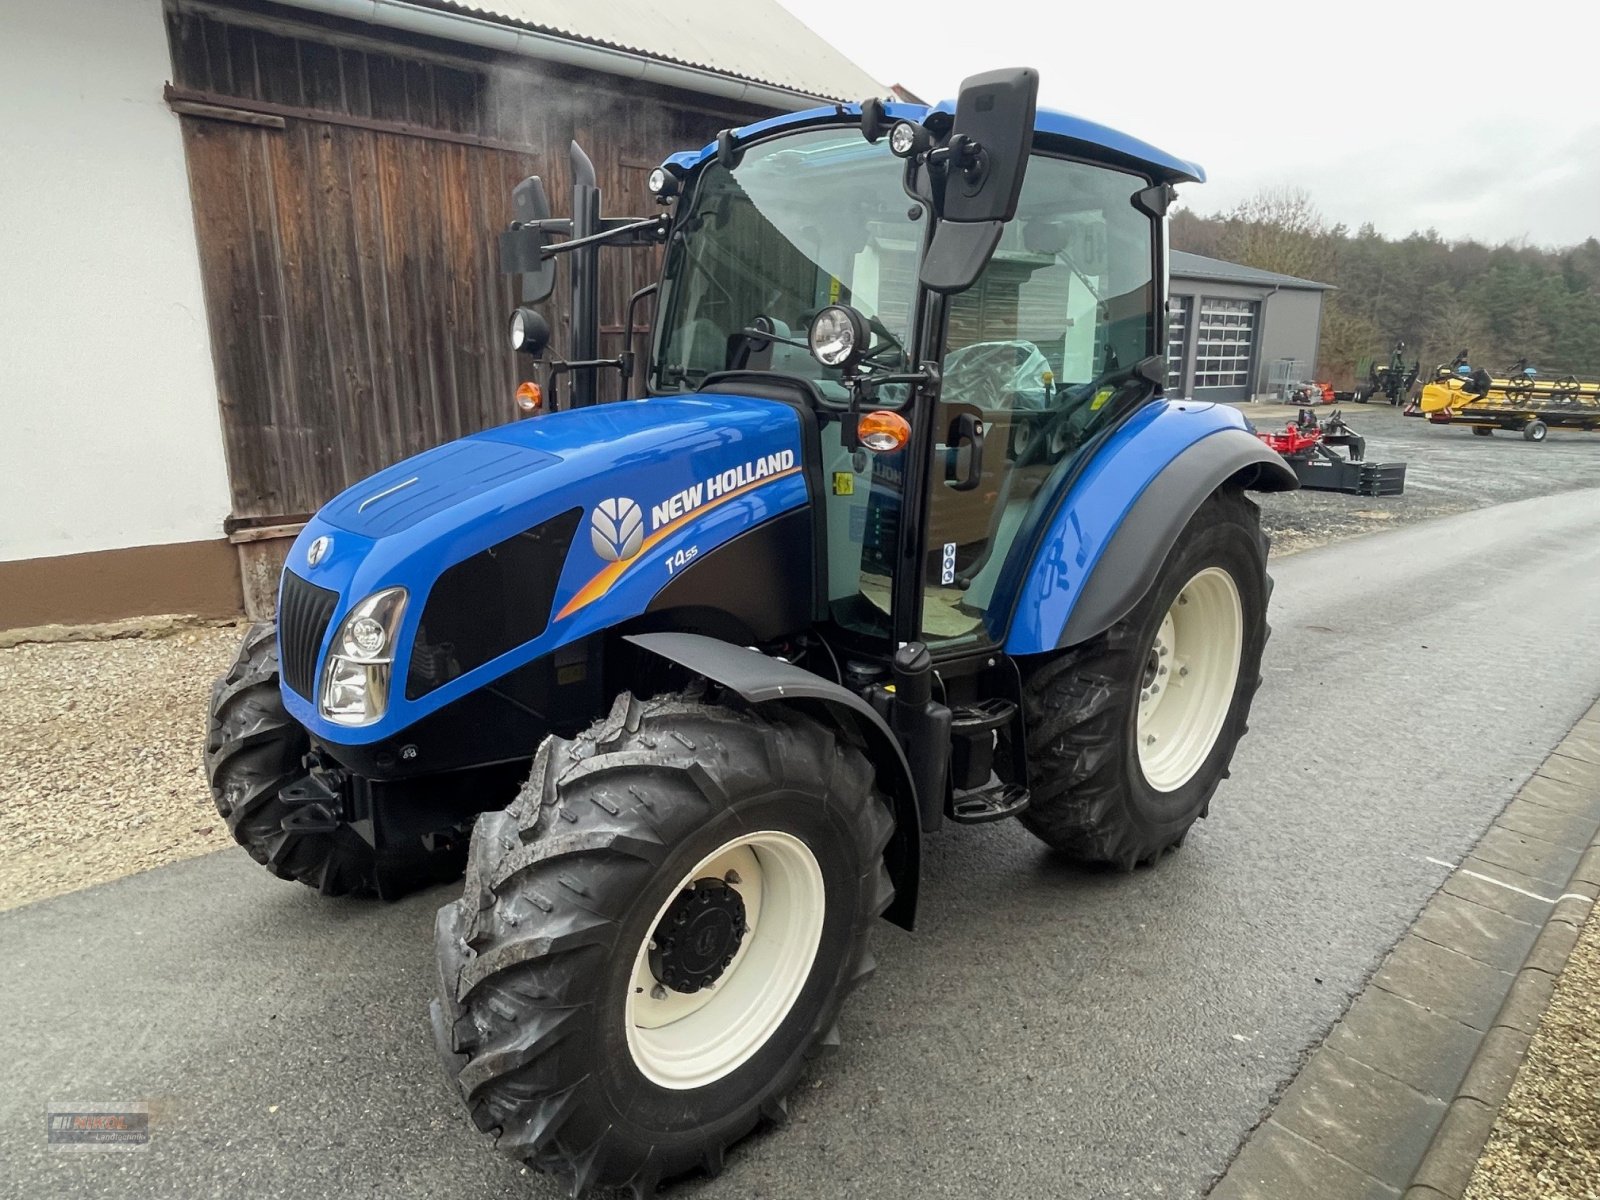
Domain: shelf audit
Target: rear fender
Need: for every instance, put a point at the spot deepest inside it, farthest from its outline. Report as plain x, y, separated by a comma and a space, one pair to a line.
761, 680
1110, 535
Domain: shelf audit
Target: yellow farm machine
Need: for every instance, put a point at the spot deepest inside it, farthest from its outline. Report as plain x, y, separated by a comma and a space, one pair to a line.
1521, 400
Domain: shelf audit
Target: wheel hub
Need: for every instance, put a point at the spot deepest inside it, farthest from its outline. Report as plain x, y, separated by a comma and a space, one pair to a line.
698, 936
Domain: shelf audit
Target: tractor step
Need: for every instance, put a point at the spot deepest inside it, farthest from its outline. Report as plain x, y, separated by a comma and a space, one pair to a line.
972, 741
970, 720
992, 803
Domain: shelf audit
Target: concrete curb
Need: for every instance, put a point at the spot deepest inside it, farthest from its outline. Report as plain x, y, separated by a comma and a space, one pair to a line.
1400, 1097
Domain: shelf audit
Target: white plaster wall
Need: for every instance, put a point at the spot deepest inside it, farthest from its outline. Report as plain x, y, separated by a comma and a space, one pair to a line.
109, 430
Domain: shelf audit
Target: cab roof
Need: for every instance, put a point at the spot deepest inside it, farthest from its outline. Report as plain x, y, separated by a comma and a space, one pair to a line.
1051, 127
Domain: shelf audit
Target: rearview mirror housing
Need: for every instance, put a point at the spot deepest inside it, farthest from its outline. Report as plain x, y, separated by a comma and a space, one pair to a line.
994, 113
522, 246
983, 162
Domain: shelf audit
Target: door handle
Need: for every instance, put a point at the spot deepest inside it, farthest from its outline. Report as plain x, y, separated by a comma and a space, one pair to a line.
969, 429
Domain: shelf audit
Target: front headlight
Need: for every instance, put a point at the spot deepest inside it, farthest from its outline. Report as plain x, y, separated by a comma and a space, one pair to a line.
356, 679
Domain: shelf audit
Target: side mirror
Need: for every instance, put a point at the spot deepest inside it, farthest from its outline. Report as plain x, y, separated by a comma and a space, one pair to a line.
983, 162
522, 246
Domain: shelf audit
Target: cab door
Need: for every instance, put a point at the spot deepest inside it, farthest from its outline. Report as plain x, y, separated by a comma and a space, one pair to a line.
1068, 298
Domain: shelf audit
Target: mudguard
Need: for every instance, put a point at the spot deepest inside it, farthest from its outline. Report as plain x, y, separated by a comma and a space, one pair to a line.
1104, 543
763, 680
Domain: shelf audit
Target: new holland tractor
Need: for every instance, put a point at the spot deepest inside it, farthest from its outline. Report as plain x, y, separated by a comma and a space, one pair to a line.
900, 535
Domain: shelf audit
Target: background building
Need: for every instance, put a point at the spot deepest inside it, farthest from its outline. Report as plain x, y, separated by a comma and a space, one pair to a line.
251, 251
1233, 331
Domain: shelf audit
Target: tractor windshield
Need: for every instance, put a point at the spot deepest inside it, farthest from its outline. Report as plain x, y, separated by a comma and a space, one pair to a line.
804, 221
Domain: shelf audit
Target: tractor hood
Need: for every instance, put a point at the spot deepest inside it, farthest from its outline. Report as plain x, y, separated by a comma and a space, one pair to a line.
587, 511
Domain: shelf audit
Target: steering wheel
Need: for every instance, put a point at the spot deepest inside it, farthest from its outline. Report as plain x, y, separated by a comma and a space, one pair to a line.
1067, 423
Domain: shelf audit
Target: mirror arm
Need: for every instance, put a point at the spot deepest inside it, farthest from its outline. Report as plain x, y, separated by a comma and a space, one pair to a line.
634, 233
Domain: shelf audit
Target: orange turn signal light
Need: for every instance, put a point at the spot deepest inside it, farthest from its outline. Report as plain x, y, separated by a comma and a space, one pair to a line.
530, 397
883, 431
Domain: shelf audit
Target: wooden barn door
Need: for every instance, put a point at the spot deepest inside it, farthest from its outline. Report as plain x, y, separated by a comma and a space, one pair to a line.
347, 197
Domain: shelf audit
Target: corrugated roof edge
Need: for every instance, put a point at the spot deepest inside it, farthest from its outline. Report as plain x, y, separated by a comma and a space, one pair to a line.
490, 15
1049, 121
1198, 266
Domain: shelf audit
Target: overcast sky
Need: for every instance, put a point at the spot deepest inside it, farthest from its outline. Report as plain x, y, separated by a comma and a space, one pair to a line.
1479, 121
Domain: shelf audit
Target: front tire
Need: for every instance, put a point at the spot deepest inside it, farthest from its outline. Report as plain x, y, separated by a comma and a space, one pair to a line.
255, 760
657, 934
1130, 733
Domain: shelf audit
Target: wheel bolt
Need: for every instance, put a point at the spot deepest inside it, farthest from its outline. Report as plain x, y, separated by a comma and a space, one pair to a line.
1182, 671
658, 992
732, 877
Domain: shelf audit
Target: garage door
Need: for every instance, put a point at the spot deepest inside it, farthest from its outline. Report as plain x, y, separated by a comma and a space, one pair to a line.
1179, 309
1225, 348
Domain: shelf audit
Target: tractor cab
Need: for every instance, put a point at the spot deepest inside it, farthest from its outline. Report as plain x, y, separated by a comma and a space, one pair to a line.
962, 298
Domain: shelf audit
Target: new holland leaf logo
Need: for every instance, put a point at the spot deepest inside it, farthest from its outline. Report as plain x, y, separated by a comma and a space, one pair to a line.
616, 528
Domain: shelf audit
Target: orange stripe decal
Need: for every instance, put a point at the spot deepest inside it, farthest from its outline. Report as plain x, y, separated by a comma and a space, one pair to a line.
611, 572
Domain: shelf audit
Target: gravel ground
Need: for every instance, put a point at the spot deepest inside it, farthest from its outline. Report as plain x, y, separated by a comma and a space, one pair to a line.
100, 774
1546, 1141
1448, 470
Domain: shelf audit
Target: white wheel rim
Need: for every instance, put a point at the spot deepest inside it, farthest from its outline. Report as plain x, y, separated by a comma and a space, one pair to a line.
1187, 679
686, 1040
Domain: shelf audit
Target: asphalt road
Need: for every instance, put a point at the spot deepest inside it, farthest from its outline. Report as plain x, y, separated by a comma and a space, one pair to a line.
1048, 1031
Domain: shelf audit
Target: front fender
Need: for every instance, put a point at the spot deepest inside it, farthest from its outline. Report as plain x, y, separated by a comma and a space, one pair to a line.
1111, 533
763, 680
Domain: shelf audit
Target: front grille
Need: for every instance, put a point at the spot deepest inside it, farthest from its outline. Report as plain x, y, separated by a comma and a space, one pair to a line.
304, 610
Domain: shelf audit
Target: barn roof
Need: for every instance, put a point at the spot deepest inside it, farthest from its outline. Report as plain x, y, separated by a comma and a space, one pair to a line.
757, 40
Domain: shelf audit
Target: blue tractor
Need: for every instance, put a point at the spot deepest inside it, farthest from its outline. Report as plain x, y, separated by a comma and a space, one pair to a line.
902, 534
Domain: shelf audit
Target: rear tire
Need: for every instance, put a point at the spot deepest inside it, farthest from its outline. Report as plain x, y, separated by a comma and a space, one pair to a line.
547, 965
1101, 792
1535, 431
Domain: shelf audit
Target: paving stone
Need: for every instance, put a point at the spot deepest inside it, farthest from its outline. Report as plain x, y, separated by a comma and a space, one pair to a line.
1552, 793
1573, 909
1533, 856
1570, 770
1276, 1164
1510, 900
1489, 1078
1456, 1147
1587, 873
1373, 1122
1443, 981
1429, 1051
1553, 947
1527, 1001
1573, 830
1478, 932
1583, 744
